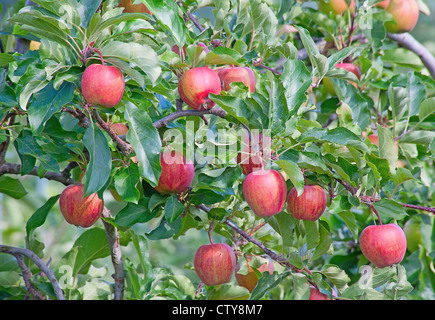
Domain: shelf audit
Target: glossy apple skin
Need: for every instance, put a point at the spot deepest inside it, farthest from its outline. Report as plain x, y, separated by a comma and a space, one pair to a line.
248, 158
412, 234
236, 74
310, 205
315, 294
102, 85
383, 4
214, 263
405, 14
78, 210
129, 7
265, 192
196, 84
383, 245
177, 173
349, 67
335, 6
250, 280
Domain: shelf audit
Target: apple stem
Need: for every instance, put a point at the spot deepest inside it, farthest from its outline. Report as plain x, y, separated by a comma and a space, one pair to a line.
373, 209
210, 229
303, 174
101, 56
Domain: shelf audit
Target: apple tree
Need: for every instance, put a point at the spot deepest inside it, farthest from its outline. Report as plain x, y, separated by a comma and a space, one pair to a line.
301, 135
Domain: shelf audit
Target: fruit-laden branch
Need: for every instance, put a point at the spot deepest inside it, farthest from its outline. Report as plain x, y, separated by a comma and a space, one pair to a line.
19, 252
407, 41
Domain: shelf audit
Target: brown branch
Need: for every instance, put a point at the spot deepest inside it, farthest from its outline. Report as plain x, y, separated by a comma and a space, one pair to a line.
27, 276
39, 263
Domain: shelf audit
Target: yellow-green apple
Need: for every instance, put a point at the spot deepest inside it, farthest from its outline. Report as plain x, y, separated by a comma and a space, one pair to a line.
214, 263
229, 75
412, 234
256, 149
310, 205
405, 14
196, 84
347, 66
79, 210
250, 279
129, 7
383, 4
177, 173
265, 192
383, 245
315, 294
102, 85
335, 6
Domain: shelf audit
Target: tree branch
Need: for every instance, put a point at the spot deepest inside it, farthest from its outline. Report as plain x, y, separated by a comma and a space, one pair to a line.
184, 113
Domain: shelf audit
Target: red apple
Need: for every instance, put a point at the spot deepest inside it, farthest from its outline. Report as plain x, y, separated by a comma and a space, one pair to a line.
196, 84
383, 4
405, 14
236, 74
77, 209
119, 128
335, 6
214, 263
102, 85
265, 192
254, 152
129, 7
177, 174
383, 245
315, 294
250, 279
310, 205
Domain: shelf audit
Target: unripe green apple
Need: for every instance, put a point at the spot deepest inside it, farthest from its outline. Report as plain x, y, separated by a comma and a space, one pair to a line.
102, 85
79, 210
229, 75
405, 14
335, 6
265, 192
250, 279
177, 173
214, 263
383, 245
196, 84
412, 234
310, 205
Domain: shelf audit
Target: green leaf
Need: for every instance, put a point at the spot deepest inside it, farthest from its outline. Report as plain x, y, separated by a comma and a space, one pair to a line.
325, 241
312, 234
390, 209
387, 147
350, 221
427, 108
146, 142
284, 224
294, 173
165, 230
223, 55
39, 216
5, 59
266, 283
12, 187
126, 180
337, 276
134, 213
173, 209
100, 159
228, 292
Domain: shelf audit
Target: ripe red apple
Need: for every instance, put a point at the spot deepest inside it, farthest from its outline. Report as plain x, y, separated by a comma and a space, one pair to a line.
248, 158
412, 234
315, 294
347, 66
129, 7
177, 174
77, 209
383, 4
102, 85
196, 84
405, 14
214, 263
310, 205
383, 245
250, 279
335, 6
236, 74
265, 192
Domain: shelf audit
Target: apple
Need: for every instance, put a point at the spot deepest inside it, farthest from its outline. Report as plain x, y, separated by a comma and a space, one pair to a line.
412, 234
375, 140
265, 192
248, 158
214, 263
102, 85
34, 45
196, 84
236, 74
405, 14
129, 7
250, 279
335, 6
79, 210
315, 294
119, 128
310, 205
383, 4
344, 65
177, 174
383, 245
